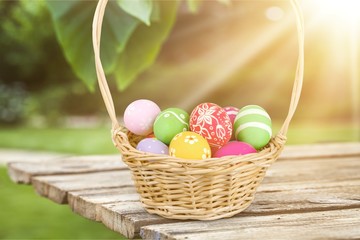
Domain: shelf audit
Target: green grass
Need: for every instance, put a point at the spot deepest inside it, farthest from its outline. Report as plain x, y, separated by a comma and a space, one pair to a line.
25, 215
64, 140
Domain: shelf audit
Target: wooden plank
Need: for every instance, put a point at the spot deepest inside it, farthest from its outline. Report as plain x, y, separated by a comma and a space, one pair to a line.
127, 218
17, 155
22, 172
314, 170
87, 203
337, 224
311, 185
305, 197
324, 150
56, 187
293, 186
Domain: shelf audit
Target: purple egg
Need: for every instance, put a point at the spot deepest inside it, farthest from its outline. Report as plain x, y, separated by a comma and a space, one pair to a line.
152, 145
235, 148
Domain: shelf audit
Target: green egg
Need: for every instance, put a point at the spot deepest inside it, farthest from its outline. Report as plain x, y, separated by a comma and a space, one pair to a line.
169, 123
253, 125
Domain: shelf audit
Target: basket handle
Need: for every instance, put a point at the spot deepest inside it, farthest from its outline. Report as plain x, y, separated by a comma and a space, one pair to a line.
105, 91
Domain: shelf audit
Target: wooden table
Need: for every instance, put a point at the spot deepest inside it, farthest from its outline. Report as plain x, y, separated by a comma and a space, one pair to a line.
311, 192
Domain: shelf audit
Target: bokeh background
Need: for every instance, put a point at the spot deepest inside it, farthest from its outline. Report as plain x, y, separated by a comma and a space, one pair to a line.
232, 54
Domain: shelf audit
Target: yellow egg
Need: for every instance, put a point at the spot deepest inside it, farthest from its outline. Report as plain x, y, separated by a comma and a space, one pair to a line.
189, 145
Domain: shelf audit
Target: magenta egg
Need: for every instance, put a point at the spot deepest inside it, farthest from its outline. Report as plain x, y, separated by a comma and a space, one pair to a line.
140, 115
235, 148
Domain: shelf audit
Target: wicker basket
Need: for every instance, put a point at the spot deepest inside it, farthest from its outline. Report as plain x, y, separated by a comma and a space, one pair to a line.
195, 189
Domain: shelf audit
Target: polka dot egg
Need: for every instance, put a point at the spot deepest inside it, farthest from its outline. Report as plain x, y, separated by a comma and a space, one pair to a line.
189, 145
253, 125
152, 145
140, 115
169, 123
212, 122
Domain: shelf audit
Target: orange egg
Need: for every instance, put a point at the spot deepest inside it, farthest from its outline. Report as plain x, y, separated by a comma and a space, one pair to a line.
189, 145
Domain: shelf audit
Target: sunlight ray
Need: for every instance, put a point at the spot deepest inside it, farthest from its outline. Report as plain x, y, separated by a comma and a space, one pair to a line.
232, 63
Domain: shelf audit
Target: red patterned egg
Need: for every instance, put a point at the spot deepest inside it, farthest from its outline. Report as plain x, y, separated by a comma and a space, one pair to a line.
213, 123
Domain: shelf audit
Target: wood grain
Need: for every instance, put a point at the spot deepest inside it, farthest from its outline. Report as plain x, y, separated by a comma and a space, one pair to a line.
56, 187
22, 172
326, 169
87, 203
324, 150
128, 218
337, 224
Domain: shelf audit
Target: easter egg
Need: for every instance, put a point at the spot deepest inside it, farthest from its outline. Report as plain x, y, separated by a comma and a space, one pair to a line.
169, 123
232, 112
189, 145
235, 148
140, 115
253, 125
152, 145
212, 122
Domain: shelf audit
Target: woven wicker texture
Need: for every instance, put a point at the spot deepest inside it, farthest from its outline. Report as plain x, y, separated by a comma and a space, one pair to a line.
195, 189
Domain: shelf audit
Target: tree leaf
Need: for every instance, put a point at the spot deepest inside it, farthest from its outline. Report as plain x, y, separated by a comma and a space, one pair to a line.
73, 23
141, 9
144, 45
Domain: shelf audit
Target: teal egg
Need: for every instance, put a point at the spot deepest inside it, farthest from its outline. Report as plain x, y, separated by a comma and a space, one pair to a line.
170, 122
253, 125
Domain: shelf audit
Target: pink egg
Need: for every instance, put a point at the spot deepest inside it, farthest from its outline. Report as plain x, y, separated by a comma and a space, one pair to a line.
235, 148
231, 112
211, 121
140, 115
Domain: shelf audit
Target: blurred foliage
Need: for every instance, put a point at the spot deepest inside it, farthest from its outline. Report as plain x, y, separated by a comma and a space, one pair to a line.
12, 99
29, 49
35, 79
132, 34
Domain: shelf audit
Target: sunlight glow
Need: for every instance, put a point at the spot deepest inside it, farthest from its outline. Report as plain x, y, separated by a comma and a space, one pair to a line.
231, 63
339, 10
274, 13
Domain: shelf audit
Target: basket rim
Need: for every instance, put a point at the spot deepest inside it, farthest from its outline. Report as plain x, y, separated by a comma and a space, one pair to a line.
122, 143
